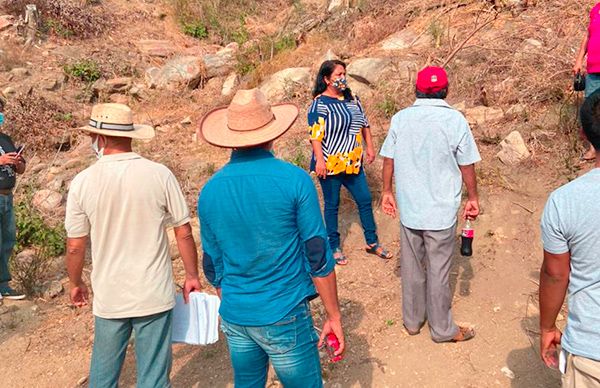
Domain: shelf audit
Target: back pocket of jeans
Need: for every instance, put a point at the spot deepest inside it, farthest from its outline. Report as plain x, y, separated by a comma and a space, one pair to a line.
280, 337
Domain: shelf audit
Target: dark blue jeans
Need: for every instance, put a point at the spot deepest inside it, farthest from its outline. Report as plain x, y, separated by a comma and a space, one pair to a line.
290, 344
7, 235
359, 189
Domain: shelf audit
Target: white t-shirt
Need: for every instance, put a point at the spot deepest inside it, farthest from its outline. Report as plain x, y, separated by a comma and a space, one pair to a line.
124, 203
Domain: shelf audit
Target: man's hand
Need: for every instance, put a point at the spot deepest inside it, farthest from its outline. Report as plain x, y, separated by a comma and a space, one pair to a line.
190, 285
388, 203
79, 295
9, 158
333, 326
471, 209
549, 339
370, 155
321, 168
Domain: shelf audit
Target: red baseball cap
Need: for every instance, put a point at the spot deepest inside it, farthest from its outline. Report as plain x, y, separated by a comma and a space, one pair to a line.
432, 79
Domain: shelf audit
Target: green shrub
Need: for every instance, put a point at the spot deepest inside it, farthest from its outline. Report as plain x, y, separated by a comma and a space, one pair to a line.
195, 29
33, 232
87, 70
45, 241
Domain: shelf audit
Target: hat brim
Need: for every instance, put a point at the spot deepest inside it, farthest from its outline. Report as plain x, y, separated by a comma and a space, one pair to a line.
214, 130
140, 131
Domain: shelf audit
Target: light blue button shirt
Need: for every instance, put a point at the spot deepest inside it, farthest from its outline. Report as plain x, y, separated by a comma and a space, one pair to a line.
571, 223
428, 142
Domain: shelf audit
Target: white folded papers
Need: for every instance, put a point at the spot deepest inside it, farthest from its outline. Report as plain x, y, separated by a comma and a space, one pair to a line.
196, 323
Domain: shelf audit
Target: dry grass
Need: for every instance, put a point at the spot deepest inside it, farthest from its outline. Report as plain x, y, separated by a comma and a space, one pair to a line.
65, 18
39, 123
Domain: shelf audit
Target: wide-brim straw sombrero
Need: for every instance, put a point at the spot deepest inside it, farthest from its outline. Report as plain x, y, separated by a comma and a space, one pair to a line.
116, 120
248, 121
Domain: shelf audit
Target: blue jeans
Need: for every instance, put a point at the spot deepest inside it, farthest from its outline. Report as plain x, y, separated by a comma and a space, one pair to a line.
359, 189
7, 236
290, 344
592, 83
153, 354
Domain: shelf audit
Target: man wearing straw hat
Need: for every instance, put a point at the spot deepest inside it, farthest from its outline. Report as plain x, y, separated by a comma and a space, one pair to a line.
265, 247
124, 203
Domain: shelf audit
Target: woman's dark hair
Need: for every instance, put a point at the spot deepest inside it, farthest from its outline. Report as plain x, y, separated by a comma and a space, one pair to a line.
590, 118
442, 94
326, 70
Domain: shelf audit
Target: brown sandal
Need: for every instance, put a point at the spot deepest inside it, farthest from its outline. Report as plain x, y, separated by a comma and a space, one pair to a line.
464, 334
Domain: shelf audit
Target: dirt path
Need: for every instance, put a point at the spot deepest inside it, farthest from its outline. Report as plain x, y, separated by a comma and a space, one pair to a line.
49, 345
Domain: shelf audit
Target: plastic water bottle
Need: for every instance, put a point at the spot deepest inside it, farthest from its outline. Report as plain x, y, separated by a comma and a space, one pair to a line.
333, 344
466, 247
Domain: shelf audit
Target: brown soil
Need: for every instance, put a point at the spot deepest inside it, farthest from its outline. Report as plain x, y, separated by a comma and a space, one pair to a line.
48, 343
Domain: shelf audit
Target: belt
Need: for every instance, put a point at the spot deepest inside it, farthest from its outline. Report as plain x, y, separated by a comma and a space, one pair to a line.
5, 191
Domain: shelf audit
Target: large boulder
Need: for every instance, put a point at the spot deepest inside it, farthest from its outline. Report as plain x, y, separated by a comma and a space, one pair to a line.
369, 70
176, 72
286, 82
514, 149
222, 62
47, 200
482, 114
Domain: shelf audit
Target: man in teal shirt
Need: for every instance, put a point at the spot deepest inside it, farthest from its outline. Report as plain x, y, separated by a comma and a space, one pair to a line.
265, 247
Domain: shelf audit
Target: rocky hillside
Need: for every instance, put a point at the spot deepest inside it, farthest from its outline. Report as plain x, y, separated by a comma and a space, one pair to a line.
509, 63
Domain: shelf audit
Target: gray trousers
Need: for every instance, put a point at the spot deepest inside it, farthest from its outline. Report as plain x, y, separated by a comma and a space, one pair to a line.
425, 262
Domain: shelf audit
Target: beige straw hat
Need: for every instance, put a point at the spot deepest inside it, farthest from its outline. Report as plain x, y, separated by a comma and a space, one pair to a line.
248, 121
116, 120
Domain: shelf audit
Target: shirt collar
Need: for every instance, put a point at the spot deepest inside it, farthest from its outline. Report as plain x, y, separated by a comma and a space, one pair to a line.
118, 157
244, 155
431, 102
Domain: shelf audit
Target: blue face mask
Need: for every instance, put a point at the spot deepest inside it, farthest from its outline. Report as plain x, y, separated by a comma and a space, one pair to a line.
340, 84
1, 118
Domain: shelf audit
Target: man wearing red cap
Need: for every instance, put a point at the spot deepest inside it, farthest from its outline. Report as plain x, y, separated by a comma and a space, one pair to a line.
430, 150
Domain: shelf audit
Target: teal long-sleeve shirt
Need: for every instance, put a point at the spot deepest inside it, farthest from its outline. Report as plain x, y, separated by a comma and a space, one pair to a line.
263, 237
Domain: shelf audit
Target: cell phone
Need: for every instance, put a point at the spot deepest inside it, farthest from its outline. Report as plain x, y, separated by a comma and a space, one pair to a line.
20, 151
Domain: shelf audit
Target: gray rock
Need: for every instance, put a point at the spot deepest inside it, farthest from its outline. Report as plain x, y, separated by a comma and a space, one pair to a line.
230, 84
285, 82
56, 184
483, 114
53, 289
513, 149
47, 200
221, 63
73, 163
369, 70
361, 90
182, 71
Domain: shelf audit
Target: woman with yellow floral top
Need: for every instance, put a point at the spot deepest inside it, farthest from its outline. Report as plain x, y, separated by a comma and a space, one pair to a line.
338, 126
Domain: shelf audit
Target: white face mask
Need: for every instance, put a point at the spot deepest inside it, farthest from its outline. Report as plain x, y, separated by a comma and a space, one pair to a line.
98, 151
